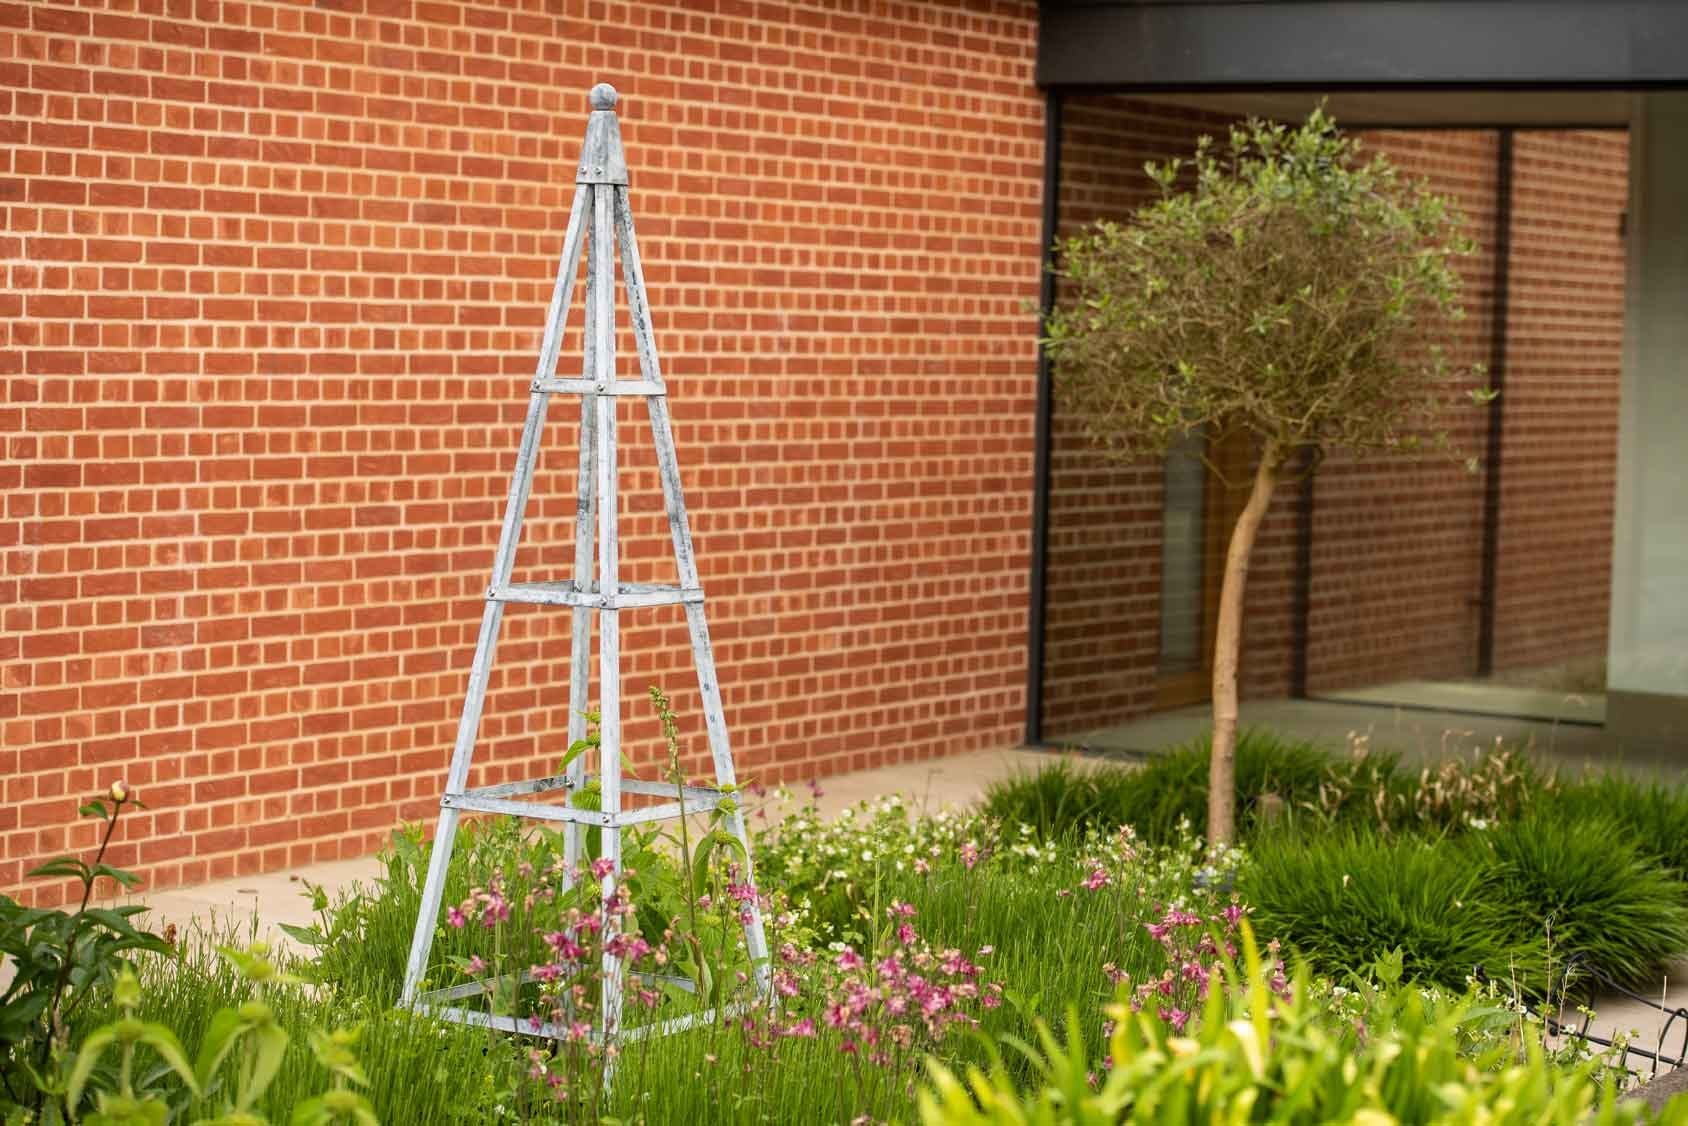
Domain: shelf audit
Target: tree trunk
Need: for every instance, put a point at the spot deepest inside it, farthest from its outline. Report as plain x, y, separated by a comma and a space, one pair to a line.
1227, 642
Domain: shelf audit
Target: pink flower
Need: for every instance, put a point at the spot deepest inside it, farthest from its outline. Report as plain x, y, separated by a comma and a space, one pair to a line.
804, 1028
602, 867
476, 965
456, 917
921, 867
969, 854
1177, 1018
627, 946
1097, 879
848, 959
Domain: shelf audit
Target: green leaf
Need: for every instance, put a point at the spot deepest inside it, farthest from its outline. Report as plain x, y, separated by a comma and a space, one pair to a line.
127, 879
576, 749
311, 1112
700, 861
220, 1037
1389, 966
112, 921
94, 809
333, 1050
61, 866
306, 936
86, 1058
161, 1040
272, 1050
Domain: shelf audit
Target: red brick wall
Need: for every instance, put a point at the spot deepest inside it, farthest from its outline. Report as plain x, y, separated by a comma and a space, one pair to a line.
274, 278
1565, 343
1397, 542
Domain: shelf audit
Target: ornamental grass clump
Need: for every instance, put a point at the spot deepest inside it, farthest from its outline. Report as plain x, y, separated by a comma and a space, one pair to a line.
1343, 900
1605, 907
1170, 789
1653, 815
1541, 904
1283, 294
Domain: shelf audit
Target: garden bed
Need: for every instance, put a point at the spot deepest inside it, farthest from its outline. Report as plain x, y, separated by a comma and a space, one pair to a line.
1073, 914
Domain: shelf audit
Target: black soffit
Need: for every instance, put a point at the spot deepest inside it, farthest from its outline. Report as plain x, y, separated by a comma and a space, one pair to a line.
1238, 44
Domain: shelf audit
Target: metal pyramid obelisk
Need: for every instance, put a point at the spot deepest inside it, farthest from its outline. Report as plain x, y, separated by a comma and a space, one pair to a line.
600, 220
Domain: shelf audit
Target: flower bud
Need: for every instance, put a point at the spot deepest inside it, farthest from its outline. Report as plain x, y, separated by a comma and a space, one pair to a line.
119, 791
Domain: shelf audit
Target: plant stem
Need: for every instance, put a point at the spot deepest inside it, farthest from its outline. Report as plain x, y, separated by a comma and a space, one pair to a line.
53, 1014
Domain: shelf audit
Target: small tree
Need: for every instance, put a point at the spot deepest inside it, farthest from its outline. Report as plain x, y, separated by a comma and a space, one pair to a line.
1287, 296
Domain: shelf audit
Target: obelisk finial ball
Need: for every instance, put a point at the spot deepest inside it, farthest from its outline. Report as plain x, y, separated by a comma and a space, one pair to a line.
603, 96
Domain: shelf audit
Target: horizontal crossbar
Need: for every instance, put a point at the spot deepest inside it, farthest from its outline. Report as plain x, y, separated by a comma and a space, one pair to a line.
532, 786
566, 592
553, 1031
564, 782
485, 801
486, 984
593, 387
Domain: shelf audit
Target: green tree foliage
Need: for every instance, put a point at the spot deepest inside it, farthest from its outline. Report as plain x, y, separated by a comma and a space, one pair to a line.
1281, 289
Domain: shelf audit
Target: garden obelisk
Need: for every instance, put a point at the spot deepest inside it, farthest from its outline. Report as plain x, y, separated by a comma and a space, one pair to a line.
600, 223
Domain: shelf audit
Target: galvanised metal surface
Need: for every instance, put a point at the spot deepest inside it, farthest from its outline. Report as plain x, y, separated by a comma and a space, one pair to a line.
600, 224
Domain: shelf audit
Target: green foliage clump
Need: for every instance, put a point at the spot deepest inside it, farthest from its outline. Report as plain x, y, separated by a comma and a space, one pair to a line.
1585, 885
242, 1052
1652, 815
60, 960
1345, 899
1285, 292
1277, 779
1533, 902
1257, 1056
1170, 789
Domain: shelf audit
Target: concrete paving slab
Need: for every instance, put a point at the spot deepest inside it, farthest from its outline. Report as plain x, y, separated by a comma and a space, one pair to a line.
1420, 734
1664, 1033
1480, 698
